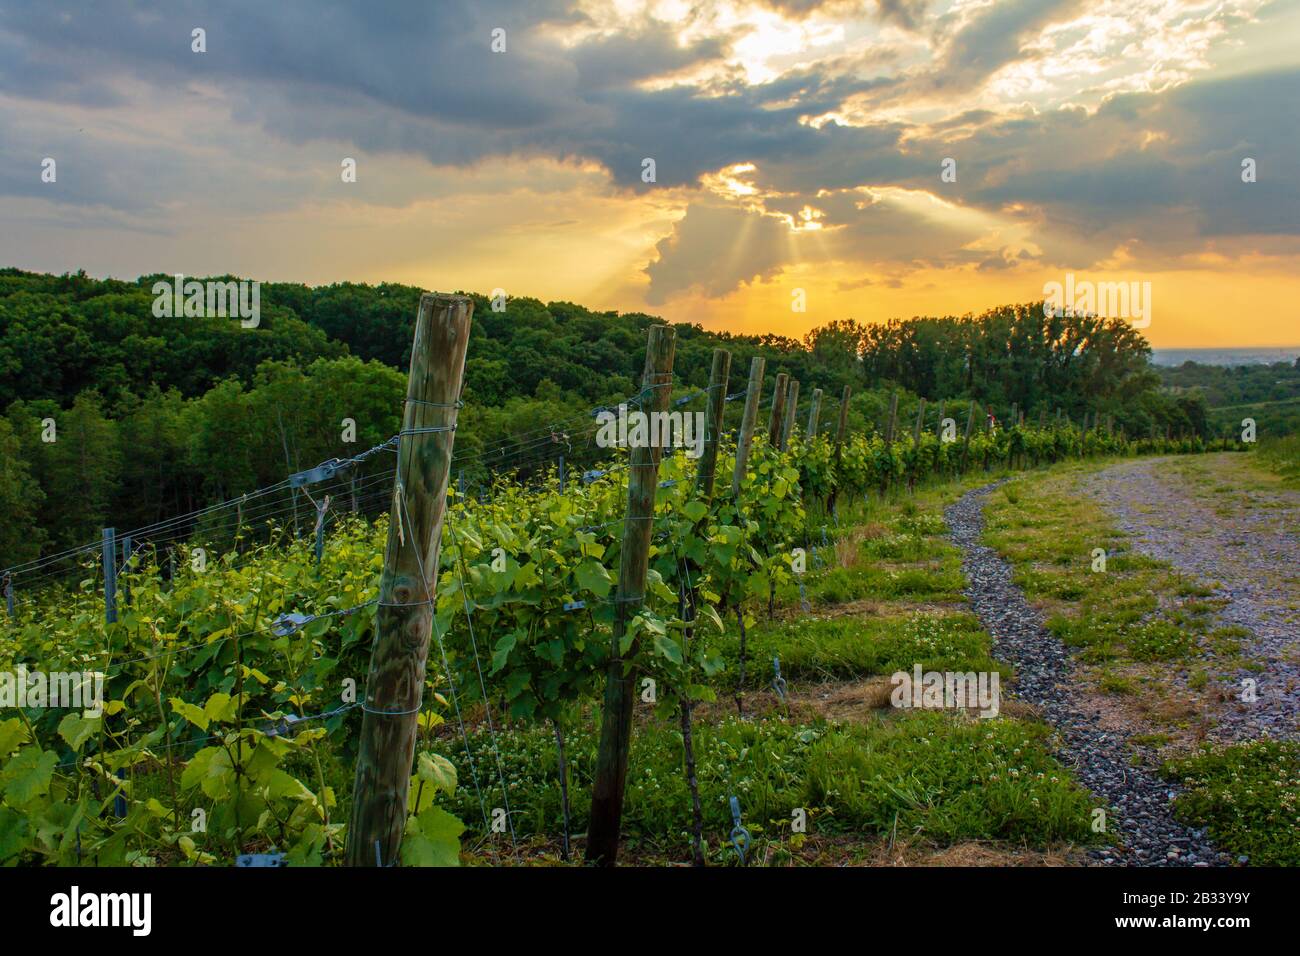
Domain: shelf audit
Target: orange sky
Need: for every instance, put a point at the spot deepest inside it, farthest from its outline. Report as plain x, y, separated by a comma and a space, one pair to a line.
799, 146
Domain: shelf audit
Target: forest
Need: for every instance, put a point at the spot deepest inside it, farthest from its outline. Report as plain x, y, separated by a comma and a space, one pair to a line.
110, 414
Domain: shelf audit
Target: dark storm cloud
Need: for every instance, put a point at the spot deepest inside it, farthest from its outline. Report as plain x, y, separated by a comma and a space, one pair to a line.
419, 78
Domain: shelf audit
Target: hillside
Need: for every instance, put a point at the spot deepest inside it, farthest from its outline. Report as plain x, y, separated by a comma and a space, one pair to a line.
157, 416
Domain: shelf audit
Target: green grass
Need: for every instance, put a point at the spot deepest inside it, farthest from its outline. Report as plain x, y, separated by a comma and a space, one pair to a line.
1282, 457
940, 581
855, 647
1248, 795
929, 774
1135, 610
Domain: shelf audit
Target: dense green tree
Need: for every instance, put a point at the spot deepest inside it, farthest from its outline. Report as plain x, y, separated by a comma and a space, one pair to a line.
20, 501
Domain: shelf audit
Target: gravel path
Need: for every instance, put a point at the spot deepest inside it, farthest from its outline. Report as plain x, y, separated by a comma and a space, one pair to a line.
1136, 800
1246, 545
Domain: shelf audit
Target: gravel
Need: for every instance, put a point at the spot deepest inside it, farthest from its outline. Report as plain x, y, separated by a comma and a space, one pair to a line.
1137, 802
1239, 554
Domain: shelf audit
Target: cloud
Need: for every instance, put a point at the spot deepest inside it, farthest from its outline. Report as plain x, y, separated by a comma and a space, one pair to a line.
904, 14
850, 125
715, 248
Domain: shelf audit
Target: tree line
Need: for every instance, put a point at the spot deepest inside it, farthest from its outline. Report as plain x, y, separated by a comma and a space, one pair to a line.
159, 416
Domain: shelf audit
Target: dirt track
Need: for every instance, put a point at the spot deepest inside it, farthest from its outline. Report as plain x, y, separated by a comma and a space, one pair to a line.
1136, 801
1213, 523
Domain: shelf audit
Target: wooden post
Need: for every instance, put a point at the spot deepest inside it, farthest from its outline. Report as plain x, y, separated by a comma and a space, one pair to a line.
920, 421
893, 418
689, 598
717, 405
840, 432
616, 721
403, 621
965, 445
777, 418
110, 576
791, 409
743, 440
814, 412
752, 396
943, 404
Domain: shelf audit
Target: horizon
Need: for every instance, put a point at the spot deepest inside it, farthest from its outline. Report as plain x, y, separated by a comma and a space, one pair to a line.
867, 160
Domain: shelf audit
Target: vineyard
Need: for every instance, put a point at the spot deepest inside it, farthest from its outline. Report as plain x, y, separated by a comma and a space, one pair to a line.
244, 663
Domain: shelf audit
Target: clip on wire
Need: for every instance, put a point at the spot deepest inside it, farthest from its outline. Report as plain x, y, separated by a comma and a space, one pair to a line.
740, 838
778, 682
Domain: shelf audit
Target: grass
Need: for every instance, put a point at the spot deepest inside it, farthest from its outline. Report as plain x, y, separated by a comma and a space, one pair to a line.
852, 647
1119, 606
1248, 795
1282, 457
920, 774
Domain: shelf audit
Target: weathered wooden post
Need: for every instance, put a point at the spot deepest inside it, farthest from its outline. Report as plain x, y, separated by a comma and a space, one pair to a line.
715, 408
893, 419
965, 445
616, 721
753, 395
840, 431
943, 403
814, 412
791, 410
704, 476
743, 441
404, 618
777, 419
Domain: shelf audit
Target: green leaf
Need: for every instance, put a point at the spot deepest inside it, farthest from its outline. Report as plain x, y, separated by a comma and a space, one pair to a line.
12, 733
501, 653
220, 707
516, 681
191, 712
432, 839
28, 775
284, 784
666, 647
592, 576
712, 663
695, 510
76, 729
710, 613
437, 770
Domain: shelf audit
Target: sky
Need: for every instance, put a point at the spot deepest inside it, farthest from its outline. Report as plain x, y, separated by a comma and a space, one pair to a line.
812, 159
